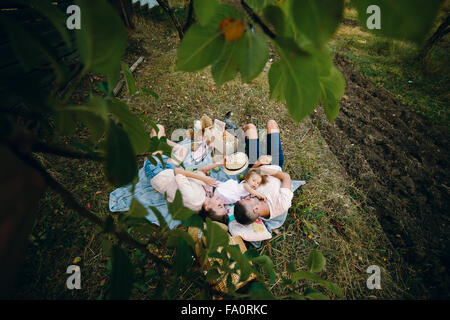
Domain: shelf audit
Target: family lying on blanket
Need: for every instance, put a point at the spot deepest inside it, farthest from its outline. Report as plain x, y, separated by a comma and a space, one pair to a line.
251, 208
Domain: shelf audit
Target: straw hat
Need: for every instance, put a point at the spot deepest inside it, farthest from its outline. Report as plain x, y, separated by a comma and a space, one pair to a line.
236, 163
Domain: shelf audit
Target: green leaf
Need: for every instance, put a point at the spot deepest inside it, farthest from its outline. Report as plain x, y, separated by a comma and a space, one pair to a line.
291, 267
212, 274
215, 236
131, 123
152, 160
401, 19
251, 253
266, 263
102, 39
137, 210
258, 5
122, 275
333, 288
179, 233
135, 222
93, 115
147, 228
193, 221
177, 208
305, 275
302, 88
217, 255
275, 16
312, 294
65, 122
316, 261
332, 90
255, 53
230, 285
121, 167
159, 156
324, 60
200, 47
317, 19
129, 79
276, 81
296, 296
153, 125
159, 145
93, 122
259, 291
242, 261
84, 148
159, 216
223, 11
183, 259
205, 10
225, 68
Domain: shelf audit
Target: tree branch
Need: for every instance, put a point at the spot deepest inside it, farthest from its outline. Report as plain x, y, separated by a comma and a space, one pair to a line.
441, 31
190, 17
41, 147
73, 203
121, 236
258, 20
169, 11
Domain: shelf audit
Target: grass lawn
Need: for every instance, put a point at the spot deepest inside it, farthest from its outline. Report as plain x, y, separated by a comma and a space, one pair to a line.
326, 213
394, 65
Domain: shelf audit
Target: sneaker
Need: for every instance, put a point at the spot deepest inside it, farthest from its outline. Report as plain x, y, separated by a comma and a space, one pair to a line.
228, 123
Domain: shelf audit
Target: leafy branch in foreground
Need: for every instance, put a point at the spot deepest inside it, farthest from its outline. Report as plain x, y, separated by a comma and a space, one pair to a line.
304, 74
316, 263
116, 136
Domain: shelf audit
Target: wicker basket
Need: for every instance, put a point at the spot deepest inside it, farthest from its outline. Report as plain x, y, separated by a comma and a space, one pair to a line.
222, 285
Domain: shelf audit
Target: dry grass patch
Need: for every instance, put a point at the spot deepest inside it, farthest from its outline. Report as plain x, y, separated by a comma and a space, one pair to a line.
324, 214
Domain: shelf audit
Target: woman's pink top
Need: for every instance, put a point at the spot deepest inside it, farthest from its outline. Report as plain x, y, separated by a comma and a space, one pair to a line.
192, 190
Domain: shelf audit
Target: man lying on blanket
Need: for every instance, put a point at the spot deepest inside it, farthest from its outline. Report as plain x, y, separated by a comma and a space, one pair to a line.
275, 194
277, 191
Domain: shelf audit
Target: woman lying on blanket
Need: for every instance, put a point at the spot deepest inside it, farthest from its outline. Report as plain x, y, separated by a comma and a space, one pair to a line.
196, 188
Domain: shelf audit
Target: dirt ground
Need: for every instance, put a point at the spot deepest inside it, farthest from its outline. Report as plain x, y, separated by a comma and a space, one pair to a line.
400, 161
377, 185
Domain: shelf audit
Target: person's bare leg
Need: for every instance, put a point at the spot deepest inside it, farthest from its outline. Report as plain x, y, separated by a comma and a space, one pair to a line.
272, 127
251, 147
161, 132
250, 131
273, 146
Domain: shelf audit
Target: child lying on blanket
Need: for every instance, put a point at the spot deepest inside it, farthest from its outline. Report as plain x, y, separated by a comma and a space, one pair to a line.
232, 191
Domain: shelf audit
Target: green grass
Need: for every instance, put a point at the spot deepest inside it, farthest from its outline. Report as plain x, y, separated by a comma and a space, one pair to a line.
393, 65
328, 196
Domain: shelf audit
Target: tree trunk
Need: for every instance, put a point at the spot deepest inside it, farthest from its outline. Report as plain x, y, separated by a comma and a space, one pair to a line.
21, 187
125, 9
438, 35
